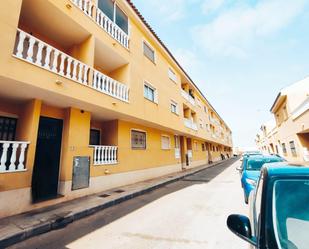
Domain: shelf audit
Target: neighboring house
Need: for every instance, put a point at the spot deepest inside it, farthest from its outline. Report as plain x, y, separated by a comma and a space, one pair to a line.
289, 136
91, 99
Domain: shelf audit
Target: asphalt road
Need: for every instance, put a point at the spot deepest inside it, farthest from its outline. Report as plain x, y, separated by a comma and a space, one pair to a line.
190, 213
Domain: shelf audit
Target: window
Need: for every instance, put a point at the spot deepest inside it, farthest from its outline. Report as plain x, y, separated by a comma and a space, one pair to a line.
174, 107
172, 75
107, 6
113, 12
205, 109
138, 140
203, 147
95, 137
148, 52
7, 128
293, 148
284, 148
201, 123
165, 142
150, 93
122, 20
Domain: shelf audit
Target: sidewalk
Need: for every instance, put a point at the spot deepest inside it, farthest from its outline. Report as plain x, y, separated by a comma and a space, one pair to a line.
20, 227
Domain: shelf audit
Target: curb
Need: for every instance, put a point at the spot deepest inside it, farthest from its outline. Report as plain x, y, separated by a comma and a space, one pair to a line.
61, 221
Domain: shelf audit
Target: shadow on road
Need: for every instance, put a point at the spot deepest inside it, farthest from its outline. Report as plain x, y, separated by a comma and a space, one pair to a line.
61, 238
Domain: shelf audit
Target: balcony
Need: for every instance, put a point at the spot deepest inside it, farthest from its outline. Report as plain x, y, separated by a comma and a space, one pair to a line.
12, 156
105, 155
32, 50
103, 21
190, 124
188, 97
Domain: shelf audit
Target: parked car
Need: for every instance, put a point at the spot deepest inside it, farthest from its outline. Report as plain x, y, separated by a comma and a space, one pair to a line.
279, 209
250, 171
249, 153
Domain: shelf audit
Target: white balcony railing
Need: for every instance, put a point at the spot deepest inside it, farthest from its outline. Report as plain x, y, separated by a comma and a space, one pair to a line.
194, 126
185, 94
34, 51
191, 100
12, 156
41, 54
103, 21
104, 155
110, 86
177, 153
190, 124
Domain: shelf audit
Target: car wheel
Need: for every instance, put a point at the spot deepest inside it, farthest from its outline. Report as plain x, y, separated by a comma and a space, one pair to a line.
246, 198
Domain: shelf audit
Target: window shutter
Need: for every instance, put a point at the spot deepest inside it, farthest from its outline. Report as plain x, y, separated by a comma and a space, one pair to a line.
177, 109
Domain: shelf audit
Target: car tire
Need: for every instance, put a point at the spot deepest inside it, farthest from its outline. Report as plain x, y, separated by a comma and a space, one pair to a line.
245, 197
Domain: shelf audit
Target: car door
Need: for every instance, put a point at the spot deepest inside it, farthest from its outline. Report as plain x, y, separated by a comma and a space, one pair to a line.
256, 211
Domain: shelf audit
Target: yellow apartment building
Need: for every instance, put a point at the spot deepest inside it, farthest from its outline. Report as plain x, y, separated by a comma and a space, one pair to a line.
288, 133
91, 99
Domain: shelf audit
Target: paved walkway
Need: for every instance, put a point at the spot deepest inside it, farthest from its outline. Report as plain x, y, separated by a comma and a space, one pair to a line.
20, 227
187, 214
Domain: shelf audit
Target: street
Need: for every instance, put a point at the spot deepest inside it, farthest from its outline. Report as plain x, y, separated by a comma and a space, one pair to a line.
190, 213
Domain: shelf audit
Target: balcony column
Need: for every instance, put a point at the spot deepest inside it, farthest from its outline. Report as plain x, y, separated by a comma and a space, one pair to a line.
75, 142
27, 130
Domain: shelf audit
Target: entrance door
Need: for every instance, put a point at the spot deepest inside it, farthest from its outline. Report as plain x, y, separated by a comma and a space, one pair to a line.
47, 156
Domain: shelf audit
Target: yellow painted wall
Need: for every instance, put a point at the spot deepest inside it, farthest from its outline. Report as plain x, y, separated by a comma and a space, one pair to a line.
27, 128
139, 69
71, 97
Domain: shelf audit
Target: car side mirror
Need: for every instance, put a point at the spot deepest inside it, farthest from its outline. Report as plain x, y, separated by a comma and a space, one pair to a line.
240, 225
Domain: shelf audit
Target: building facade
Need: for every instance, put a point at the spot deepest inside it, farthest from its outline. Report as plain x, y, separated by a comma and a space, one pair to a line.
288, 133
91, 99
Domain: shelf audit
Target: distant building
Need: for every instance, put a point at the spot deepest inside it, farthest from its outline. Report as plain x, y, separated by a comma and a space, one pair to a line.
288, 134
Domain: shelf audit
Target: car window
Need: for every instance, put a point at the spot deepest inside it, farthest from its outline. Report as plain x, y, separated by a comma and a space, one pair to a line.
257, 163
291, 213
257, 204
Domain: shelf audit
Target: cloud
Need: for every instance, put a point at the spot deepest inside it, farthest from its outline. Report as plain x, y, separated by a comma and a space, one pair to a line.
232, 32
209, 6
188, 60
172, 10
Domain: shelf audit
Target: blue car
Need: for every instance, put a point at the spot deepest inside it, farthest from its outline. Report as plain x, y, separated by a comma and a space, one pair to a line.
279, 210
250, 171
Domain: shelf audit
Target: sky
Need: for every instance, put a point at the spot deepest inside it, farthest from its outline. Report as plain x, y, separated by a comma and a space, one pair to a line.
240, 53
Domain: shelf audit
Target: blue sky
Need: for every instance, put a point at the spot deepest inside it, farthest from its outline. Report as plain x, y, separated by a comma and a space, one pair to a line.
239, 53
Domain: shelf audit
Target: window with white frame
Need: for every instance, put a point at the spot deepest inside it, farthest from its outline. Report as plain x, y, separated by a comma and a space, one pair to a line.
177, 141
150, 93
165, 142
293, 148
174, 107
172, 75
113, 12
201, 123
138, 140
205, 109
148, 51
284, 150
